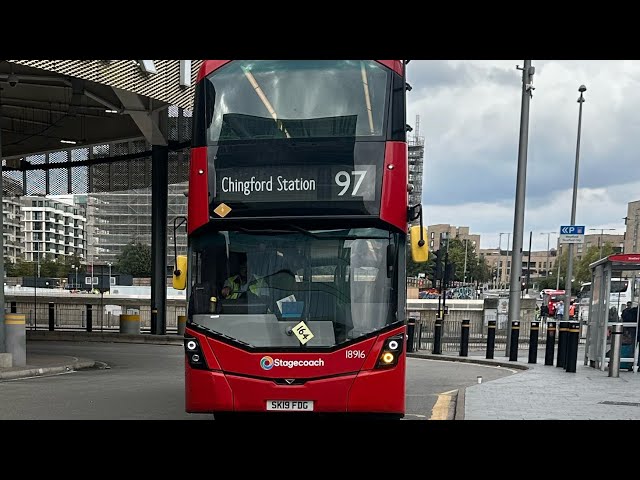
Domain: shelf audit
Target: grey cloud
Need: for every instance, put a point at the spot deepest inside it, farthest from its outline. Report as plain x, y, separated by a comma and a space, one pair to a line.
430, 75
458, 170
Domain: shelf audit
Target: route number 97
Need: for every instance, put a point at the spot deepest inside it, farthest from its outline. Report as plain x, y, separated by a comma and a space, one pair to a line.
343, 179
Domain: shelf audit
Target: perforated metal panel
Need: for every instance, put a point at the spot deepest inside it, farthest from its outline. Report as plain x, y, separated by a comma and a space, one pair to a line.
127, 75
100, 173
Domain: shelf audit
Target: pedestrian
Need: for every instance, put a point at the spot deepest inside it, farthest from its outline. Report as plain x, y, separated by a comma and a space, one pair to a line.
544, 312
560, 310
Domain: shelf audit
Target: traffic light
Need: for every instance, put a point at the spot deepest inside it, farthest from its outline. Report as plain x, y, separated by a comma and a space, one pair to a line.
523, 285
439, 261
449, 273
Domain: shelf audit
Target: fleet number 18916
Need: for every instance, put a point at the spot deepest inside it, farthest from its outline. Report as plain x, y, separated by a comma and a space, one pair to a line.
354, 353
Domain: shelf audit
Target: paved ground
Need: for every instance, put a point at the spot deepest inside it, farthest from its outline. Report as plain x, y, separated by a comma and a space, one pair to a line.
537, 392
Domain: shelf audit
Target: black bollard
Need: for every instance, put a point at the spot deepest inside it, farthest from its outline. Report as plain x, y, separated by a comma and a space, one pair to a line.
89, 318
533, 342
437, 337
411, 326
573, 338
491, 338
562, 343
551, 343
464, 338
515, 334
52, 316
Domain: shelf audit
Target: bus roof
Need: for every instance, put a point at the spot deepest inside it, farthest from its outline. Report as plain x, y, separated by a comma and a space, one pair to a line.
209, 66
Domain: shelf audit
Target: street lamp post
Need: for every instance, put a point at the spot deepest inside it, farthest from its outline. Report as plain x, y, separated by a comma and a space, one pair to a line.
600, 237
464, 274
548, 234
518, 216
567, 280
504, 265
498, 265
109, 263
76, 269
36, 276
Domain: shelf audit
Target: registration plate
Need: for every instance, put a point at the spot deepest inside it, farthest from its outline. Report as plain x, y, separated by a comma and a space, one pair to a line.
290, 405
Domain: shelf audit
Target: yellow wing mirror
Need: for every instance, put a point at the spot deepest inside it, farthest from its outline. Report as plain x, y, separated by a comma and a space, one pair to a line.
419, 249
180, 273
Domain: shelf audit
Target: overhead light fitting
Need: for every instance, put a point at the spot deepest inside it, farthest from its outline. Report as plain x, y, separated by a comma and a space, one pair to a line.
72, 142
111, 111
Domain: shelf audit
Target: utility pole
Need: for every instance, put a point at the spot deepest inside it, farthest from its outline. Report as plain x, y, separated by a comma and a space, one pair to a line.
567, 279
518, 220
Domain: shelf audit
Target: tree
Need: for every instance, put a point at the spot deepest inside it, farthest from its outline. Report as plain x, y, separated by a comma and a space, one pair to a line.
135, 260
23, 269
414, 268
583, 272
457, 257
48, 267
8, 267
64, 265
480, 270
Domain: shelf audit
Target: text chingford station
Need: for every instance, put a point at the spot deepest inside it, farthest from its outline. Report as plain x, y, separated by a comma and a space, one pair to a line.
283, 184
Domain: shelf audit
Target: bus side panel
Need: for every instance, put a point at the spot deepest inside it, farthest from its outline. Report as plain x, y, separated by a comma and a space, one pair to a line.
198, 200
209, 66
329, 394
206, 391
395, 65
379, 390
395, 197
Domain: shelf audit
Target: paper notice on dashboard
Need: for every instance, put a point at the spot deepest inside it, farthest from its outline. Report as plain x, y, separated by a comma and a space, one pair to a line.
290, 298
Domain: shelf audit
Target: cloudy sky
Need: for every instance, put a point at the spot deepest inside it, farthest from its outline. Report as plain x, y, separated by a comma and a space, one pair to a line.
470, 120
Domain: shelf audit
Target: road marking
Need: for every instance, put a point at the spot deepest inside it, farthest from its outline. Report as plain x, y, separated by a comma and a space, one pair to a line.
474, 364
440, 410
38, 376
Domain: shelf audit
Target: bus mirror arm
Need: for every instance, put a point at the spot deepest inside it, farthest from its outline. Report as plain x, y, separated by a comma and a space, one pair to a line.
414, 213
182, 219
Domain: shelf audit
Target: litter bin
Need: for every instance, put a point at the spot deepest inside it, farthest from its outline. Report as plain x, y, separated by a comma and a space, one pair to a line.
16, 338
182, 322
130, 324
411, 327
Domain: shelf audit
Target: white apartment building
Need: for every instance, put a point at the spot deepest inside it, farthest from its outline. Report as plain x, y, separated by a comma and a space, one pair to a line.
13, 236
53, 228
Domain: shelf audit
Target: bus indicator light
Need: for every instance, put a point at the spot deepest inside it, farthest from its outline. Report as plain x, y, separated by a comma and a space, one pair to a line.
388, 358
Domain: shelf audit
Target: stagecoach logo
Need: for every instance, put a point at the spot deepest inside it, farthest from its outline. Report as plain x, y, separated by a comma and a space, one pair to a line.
267, 363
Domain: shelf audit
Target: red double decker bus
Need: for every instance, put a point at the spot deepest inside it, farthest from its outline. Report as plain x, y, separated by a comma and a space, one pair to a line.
297, 226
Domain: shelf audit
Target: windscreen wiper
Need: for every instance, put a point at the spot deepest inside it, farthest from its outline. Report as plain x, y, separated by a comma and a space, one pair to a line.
322, 236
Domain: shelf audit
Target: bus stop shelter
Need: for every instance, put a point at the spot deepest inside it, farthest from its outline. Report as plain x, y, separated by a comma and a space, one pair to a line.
603, 313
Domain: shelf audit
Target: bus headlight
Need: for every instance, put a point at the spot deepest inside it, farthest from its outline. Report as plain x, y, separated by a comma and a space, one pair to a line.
194, 353
390, 352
